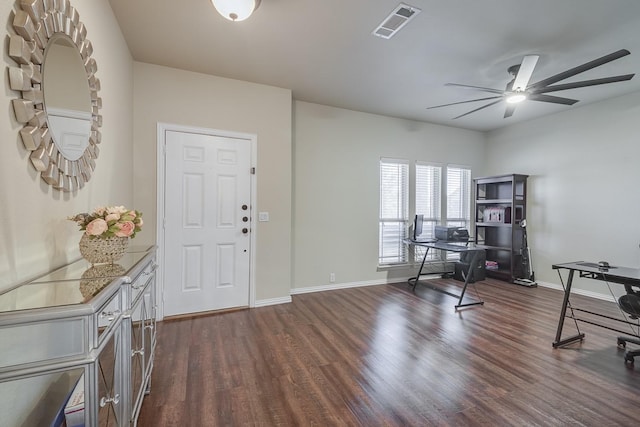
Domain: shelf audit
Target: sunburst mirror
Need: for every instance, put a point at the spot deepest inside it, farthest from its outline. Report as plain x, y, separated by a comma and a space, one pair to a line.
59, 104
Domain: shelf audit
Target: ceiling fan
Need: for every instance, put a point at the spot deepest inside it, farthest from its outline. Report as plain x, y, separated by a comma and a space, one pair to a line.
519, 89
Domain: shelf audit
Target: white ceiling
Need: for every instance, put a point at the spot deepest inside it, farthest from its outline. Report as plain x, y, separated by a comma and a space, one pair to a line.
323, 50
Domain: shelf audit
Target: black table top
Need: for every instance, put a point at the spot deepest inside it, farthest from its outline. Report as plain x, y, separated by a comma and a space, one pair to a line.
447, 245
614, 273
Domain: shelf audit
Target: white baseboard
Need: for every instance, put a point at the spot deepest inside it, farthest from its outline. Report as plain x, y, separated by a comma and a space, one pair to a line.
334, 286
596, 295
272, 301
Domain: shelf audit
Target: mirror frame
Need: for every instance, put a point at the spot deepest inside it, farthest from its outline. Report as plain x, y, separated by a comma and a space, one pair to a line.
35, 23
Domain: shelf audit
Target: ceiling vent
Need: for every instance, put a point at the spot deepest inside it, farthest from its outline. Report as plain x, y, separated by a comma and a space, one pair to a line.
396, 20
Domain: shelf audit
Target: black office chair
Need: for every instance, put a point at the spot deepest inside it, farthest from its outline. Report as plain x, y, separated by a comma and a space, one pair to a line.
630, 304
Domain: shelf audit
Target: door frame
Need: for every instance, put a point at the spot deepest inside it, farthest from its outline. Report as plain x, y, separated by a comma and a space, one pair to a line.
162, 128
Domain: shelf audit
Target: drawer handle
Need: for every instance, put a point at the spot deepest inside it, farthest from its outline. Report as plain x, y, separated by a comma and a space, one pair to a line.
110, 315
138, 286
154, 266
106, 400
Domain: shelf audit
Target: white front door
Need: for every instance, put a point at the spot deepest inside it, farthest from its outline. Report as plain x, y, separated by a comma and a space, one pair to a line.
207, 222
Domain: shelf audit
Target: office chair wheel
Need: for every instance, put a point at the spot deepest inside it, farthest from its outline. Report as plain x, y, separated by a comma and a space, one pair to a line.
622, 343
628, 359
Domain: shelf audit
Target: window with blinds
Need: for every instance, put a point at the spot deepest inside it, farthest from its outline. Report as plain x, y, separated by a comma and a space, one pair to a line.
458, 197
441, 199
428, 203
428, 200
394, 211
458, 200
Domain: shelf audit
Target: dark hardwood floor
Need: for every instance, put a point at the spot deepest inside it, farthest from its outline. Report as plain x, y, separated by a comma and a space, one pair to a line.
385, 356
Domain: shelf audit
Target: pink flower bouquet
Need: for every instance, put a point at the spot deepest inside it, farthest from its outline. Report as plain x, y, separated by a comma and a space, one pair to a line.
111, 221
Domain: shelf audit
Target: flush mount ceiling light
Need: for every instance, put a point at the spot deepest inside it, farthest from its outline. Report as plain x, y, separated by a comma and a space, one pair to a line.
236, 10
516, 97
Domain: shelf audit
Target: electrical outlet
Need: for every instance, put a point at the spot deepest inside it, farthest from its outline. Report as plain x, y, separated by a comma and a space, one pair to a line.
332, 277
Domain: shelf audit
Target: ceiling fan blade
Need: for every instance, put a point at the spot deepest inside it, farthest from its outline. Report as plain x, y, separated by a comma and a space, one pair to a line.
478, 109
508, 112
585, 83
580, 69
464, 102
524, 72
484, 89
551, 99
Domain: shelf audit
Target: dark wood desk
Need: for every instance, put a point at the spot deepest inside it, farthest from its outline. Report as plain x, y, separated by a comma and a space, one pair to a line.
591, 270
450, 247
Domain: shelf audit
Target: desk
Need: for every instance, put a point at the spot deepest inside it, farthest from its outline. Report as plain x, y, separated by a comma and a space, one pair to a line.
590, 270
450, 247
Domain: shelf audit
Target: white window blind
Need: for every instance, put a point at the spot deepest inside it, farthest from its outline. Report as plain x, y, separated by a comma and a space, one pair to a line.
428, 204
394, 211
458, 196
458, 199
428, 198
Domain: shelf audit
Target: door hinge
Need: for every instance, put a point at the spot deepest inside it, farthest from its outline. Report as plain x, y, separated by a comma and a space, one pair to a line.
253, 171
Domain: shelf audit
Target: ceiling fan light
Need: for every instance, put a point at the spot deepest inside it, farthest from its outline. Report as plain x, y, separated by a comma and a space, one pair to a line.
236, 10
514, 98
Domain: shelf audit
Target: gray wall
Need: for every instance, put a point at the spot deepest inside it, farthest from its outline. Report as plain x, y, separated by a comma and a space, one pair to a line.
583, 191
173, 96
35, 235
336, 186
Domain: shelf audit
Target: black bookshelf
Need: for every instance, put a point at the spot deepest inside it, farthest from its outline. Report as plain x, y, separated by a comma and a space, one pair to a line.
500, 207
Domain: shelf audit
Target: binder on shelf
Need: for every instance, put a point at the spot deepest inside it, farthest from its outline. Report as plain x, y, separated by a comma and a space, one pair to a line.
491, 265
501, 214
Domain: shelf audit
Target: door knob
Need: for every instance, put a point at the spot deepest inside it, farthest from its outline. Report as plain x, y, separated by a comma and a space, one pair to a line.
245, 219
245, 230
244, 207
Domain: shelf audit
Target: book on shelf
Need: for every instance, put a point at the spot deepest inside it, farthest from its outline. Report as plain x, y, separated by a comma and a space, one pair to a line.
491, 265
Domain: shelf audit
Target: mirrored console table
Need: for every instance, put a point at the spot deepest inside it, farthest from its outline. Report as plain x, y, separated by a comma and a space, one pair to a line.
80, 325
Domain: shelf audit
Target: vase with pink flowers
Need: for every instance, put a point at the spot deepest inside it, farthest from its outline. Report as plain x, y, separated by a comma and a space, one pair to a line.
107, 231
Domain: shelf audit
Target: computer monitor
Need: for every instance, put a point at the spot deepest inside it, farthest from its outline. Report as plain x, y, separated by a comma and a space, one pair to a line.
417, 226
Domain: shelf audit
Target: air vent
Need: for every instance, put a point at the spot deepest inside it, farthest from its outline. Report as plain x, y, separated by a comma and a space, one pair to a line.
396, 20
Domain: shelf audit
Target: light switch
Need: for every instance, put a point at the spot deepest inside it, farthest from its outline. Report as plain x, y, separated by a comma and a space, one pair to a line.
263, 216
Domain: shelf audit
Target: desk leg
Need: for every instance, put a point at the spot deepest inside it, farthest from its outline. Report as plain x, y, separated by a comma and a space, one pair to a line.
563, 312
472, 267
415, 279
